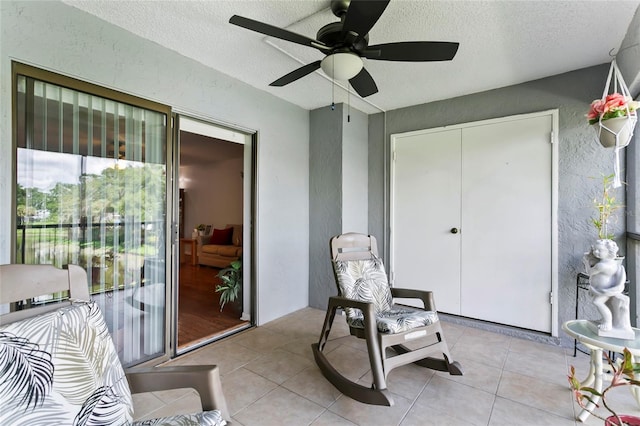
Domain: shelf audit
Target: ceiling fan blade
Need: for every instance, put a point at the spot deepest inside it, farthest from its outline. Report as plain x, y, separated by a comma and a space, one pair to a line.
412, 51
296, 74
276, 32
362, 15
363, 84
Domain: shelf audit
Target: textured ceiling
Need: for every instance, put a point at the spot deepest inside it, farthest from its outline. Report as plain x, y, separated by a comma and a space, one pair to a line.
501, 42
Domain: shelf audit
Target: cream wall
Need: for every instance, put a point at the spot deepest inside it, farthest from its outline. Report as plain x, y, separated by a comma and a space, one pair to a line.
213, 195
60, 38
212, 176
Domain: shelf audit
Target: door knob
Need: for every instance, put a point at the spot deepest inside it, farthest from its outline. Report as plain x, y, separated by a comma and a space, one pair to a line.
454, 230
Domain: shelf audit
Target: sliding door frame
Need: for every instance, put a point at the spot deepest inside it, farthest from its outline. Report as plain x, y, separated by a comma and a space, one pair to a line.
249, 217
20, 69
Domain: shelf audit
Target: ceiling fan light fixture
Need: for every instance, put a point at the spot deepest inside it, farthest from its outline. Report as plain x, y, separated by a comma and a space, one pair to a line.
342, 66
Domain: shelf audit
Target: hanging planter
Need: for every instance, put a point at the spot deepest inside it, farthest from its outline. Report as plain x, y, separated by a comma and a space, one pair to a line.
615, 132
614, 117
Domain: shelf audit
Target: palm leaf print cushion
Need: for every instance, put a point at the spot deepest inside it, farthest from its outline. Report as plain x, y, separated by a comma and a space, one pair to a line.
366, 281
62, 368
206, 418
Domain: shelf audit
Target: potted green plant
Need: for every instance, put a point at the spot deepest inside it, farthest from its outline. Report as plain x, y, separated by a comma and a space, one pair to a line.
623, 374
607, 206
201, 228
231, 285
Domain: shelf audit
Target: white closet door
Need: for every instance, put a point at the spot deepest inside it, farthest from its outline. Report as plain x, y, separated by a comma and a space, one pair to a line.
425, 207
506, 228
494, 181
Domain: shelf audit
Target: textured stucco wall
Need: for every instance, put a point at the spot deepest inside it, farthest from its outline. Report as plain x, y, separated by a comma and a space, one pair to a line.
338, 176
61, 38
580, 156
378, 183
354, 171
325, 199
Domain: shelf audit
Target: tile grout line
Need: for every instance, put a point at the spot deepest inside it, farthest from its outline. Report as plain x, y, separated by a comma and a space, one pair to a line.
413, 403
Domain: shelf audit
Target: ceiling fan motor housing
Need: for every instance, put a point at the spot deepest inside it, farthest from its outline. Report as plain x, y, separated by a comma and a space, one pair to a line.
331, 35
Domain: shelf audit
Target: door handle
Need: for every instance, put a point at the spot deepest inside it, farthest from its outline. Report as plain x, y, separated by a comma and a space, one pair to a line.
454, 230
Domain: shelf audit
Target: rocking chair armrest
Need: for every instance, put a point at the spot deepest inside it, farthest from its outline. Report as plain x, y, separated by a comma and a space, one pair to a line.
370, 326
205, 379
409, 293
344, 302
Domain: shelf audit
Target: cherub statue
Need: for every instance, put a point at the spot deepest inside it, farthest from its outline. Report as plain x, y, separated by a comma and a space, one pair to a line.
607, 278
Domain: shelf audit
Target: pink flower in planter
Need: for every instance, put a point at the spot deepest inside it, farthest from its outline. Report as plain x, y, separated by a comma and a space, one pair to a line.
612, 106
597, 108
614, 101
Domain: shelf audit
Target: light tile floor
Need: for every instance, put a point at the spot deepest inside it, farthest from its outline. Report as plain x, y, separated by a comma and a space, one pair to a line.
270, 378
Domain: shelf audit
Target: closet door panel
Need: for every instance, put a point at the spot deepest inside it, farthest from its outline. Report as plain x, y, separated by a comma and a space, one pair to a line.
425, 206
506, 223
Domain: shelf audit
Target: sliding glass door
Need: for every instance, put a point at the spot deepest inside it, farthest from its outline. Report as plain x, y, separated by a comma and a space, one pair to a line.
91, 189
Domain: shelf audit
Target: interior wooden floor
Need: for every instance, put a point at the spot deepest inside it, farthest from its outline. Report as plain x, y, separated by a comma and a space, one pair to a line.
199, 316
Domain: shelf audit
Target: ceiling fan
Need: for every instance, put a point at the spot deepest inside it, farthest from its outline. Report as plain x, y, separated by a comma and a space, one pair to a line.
346, 42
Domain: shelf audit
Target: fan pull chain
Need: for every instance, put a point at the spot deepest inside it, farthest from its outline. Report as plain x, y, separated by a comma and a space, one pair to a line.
333, 86
348, 104
333, 94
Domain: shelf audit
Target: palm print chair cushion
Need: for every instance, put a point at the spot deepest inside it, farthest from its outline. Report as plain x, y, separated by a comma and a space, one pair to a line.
366, 280
207, 418
62, 368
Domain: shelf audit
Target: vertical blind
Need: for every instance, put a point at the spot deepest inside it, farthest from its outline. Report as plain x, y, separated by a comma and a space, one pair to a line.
91, 190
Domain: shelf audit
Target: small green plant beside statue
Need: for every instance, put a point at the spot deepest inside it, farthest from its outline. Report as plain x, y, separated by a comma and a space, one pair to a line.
607, 205
231, 278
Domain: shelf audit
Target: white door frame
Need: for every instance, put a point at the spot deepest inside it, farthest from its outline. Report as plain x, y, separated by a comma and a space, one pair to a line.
554, 194
206, 126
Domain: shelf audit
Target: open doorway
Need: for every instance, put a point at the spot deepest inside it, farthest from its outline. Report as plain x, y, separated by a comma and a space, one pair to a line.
215, 197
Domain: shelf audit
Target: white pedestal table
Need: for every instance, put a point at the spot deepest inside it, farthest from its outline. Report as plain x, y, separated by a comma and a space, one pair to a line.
582, 331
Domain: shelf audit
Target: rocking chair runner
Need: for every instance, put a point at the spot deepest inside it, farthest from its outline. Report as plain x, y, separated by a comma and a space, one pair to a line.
367, 299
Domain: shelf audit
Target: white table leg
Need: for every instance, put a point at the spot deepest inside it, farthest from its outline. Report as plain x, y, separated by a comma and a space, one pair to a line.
588, 381
595, 376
